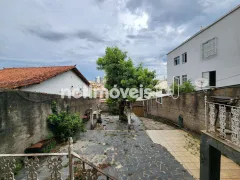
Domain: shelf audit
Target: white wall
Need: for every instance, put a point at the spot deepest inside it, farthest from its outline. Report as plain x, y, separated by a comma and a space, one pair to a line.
227, 61
55, 84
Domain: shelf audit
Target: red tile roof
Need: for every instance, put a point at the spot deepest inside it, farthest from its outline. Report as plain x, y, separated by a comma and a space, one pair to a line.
18, 77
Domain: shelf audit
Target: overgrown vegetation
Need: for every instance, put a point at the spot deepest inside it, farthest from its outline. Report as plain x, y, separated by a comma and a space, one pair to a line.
19, 166
64, 124
113, 106
50, 147
186, 87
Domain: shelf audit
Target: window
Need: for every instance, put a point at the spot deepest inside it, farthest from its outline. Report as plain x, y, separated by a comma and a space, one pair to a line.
184, 78
184, 58
159, 100
209, 49
176, 60
211, 77
177, 79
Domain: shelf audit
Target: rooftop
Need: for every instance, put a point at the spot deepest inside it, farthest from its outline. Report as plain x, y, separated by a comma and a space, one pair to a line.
12, 78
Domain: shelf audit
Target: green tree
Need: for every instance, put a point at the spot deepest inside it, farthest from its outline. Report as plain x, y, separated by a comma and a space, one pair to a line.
121, 73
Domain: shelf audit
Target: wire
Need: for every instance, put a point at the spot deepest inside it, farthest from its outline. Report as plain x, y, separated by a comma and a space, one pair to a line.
228, 77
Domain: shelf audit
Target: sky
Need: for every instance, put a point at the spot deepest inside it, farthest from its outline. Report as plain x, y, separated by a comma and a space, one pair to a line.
76, 32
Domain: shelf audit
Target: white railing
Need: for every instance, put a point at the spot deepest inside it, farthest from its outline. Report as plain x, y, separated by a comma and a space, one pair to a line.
80, 169
223, 120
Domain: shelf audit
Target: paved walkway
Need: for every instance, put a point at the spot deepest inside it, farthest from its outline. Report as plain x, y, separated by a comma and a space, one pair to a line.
185, 148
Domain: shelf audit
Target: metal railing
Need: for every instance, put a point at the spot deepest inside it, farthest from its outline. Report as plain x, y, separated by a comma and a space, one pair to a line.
80, 169
223, 121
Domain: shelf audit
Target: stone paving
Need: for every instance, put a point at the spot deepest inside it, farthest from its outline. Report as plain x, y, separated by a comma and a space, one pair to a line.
129, 155
125, 155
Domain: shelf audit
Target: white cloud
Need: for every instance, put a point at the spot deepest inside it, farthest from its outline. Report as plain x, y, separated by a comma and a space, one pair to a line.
134, 21
64, 32
210, 6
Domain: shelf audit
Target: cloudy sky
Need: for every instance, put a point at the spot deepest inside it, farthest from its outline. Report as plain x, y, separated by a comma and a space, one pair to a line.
68, 32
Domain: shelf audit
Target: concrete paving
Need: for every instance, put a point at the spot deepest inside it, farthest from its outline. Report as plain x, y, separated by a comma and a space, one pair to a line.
185, 148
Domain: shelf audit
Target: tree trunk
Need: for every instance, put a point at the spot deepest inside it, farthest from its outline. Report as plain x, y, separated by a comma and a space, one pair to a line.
122, 116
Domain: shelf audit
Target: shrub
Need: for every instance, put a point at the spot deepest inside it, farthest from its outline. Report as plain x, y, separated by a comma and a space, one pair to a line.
49, 147
64, 124
186, 87
113, 106
19, 166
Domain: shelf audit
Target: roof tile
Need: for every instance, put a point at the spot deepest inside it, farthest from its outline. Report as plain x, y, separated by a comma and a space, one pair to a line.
18, 77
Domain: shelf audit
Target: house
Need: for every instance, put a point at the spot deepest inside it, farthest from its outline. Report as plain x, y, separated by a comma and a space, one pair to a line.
213, 53
98, 88
51, 80
162, 85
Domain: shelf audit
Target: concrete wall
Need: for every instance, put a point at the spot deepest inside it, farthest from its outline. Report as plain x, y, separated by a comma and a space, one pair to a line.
104, 107
54, 85
190, 106
227, 61
23, 117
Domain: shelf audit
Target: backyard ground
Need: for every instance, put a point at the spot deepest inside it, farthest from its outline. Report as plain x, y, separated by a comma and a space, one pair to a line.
154, 150
128, 155
185, 148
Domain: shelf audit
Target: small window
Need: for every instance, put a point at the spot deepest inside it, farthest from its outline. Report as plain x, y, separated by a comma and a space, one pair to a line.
184, 78
176, 60
177, 79
209, 49
211, 77
184, 58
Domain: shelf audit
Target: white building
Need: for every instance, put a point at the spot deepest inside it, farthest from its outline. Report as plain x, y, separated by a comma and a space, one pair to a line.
51, 80
213, 53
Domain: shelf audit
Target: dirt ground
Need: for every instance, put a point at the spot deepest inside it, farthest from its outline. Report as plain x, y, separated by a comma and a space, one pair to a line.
155, 125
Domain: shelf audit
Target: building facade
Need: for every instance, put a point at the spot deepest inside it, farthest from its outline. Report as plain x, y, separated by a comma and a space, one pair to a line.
213, 54
61, 83
61, 80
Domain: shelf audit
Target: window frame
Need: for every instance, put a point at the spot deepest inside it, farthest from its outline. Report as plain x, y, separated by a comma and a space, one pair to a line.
209, 78
176, 79
184, 58
177, 59
184, 77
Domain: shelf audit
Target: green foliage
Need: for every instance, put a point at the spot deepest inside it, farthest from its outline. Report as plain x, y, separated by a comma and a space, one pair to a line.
49, 147
113, 106
64, 124
54, 107
186, 87
19, 166
120, 71
50, 135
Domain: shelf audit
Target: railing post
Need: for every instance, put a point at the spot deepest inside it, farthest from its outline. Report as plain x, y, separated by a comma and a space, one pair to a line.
205, 115
91, 117
70, 156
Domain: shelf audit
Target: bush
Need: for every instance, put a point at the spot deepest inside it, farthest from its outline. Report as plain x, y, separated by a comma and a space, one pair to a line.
186, 87
64, 124
49, 147
113, 106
